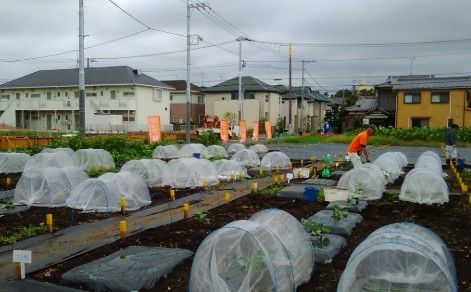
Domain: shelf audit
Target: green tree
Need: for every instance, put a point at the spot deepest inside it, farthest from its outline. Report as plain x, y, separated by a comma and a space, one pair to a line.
231, 117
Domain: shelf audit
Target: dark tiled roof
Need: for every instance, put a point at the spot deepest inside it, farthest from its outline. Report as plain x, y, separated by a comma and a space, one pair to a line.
181, 85
364, 104
248, 84
93, 76
417, 82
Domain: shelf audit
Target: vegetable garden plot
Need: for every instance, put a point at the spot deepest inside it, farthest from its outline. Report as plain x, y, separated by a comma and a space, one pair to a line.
390, 167
398, 157
166, 152
11, 162
68, 151
55, 159
424, 186
403, 257
48, 187
343, 225
246, 158
188, 150
330, 250
259, 148
226, 168
204, 169
273, 160
150, 170
217, 151
190, 173
90, 159
103, 194
429, 163
364, 178
376, 169
236, 147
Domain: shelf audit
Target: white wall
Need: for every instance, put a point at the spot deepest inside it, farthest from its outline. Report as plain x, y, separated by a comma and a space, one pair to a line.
147, 106
251, 109
210, 98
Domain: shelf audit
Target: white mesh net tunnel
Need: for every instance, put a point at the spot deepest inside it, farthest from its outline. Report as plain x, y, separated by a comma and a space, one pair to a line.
188, 150
11, 162
103, 194
390, 167
400, 257
52, 159
246, 158
226, 168
424, 186
273, 160
150, 170
217, 151
398, 157
236, 147
190, 173
377, 170
365, 178
90, 159
259, 148
68, 151
48, 187
429, 161
166, 152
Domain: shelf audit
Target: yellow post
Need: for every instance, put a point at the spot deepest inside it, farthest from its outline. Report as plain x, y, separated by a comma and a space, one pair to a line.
241, 175
205, 184
290, 164
469, 199
172, 195
275, 179
260, 172
49, 222
186, 210
301, 163
122, 229
464, 188
122, 204
232, 177
299, 173
277, 168
253, 187
227, 197
8, 181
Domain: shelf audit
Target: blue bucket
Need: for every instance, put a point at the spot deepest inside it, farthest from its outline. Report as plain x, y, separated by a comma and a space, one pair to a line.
310, 193
460, 163
197, 155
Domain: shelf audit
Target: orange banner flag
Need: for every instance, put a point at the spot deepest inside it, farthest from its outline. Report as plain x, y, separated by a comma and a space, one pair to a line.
243, 131
268, 129
255, 131
225, 130
153, 125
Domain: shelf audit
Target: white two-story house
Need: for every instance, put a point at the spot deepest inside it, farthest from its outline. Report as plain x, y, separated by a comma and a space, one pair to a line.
116, 98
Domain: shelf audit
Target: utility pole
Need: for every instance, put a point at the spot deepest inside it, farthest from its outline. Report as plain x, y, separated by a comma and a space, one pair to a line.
302, 96
81, 70
188, 109
241, 65
289, 87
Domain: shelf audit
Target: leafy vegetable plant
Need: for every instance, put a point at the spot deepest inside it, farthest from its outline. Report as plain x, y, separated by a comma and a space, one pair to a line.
338, 212
316, 230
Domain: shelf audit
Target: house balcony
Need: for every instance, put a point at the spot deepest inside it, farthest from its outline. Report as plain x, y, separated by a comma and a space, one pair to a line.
66, 104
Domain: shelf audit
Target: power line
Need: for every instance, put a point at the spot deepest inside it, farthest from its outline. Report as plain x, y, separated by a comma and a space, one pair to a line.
129, 14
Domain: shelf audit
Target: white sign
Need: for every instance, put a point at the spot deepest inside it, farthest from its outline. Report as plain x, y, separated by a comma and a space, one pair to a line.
22, 256
332, 195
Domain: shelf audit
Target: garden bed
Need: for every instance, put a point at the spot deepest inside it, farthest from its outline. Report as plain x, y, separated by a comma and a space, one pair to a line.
449, 221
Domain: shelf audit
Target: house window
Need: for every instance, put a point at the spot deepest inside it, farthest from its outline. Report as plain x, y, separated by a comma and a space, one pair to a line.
223, 98
101, 93
113, 94
5, 96
59, 94
267, 117
128, 93
468, 98
17, 95
200, 99
249, 96
48, 95
66, 94
412, 98
440, 97
91, 93
157, 95
76, 94
420, 122
35, 95
174, 119
171, 97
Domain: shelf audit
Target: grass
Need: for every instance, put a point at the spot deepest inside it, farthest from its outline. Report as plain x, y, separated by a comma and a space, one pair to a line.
271, 190
22, 232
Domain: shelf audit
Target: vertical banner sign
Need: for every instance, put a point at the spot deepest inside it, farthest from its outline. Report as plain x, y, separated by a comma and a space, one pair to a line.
225, 130
153, 125
268, 129
243, 130
255, 131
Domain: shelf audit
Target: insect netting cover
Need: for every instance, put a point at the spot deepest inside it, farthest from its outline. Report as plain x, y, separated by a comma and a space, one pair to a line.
294, 238
90, 159
166, 152
377, 170
429, 162
53, 159
400, 257
390, 167
242, 256
11, 162
190, 173
402, 158
226, 168
259, 148
47, 187
398, 157
424, 186
103, 194
68, 151
150, 170
364, 178
273, 160
431, 155
217, 151
246, 158
188, 150
236, 147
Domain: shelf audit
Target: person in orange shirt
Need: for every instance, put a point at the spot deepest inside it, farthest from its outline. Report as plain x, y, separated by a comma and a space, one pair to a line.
358, 146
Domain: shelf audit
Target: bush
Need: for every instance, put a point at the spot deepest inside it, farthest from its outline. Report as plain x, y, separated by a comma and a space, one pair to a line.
208, 138
423, 133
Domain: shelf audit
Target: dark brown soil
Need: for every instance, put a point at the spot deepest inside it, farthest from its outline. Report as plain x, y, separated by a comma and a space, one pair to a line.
14, 177
450, 221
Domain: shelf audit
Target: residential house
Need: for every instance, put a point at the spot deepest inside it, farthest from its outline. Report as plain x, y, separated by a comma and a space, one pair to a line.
369, 109
261, 101
116, 98
427, 100
178, 104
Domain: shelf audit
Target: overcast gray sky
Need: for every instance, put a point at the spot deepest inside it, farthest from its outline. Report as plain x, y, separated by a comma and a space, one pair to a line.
32, 28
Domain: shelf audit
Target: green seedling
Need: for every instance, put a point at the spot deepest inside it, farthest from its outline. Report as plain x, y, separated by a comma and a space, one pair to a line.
8, 203
316, 230
254, 261
201, 214
338, 212
271, 190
